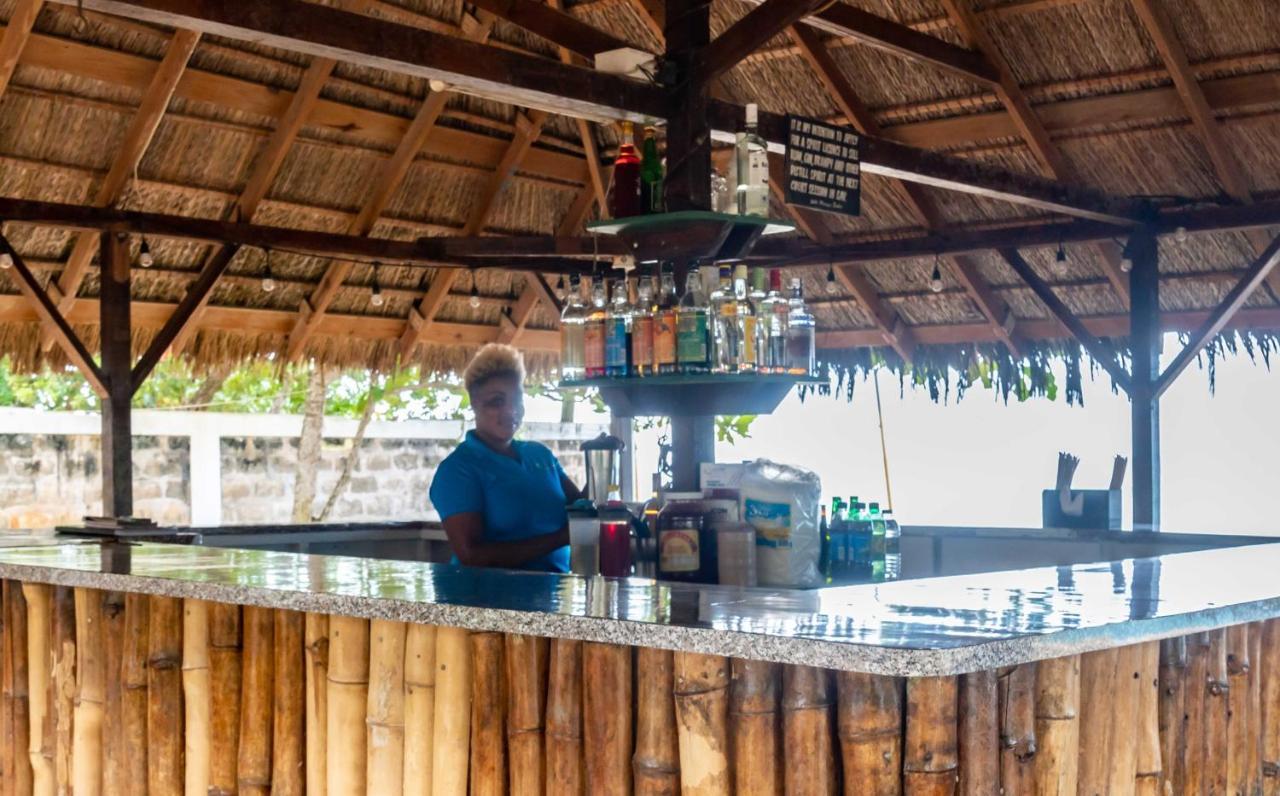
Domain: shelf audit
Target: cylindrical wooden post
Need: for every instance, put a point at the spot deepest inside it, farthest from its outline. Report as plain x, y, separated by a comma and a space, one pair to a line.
348, 695
1124, 706
566, 775
1149, 762
17, 769
224, 685
1097, 719
979, 734
452, 713
809, 757
755, 699
1217, 705
1269, 663
870, 730
656, 762
1173, 685
930, 756
702, 715
1238, 737
1018, 730
91, 694
606, 718
288, 765
164, 697
1195, 704
1057, 726
195, 694
1255, 707
316, 639
488, 706
419, 707
526, 659
385, 743
62, 701
114, 750
253, 759
39, 666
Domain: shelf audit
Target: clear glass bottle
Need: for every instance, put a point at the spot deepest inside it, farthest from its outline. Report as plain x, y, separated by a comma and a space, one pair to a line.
593, 332
642, 363
746, 322
878, 548
760, 339
773, 313
617, 343
892, 547
691, 327
800, 339
664, 323
573, 334
723, 311
753, 168
624, 198
652, 199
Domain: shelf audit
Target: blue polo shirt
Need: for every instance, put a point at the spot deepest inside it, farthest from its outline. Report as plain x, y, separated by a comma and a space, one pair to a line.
519, 498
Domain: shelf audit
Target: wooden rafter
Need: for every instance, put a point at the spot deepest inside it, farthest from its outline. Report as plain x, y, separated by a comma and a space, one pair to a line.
15, 37
136, 140
750, 32
847, 101
554, 25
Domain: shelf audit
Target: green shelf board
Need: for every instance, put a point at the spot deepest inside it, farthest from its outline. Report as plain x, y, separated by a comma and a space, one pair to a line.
617, 226
689, 395
682, 379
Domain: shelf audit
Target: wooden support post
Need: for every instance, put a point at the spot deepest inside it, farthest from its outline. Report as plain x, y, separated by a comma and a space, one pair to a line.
288, 764
196, 698
1057, 726
39, 666
980, 747
754, 699
114, 747
930, 755
224, 712
1172, 718
63, 682
488, 706
452, 723
688, 32
316, 641
164, 696
702, 717
606, 717
870, 732
18, 772
526, 659
808, 697
566, 775
1144, 340
693, 441
348, 696
419, 707
117, 367
385, 720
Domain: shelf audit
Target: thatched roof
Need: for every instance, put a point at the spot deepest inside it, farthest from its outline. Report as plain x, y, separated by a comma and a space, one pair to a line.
1089, 68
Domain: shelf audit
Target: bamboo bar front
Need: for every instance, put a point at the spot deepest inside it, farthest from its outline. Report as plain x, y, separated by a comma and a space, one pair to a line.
112, 693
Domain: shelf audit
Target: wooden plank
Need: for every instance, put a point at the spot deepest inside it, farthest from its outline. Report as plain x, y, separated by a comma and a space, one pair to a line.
893, 330
16, 34
554, 25
155, 101
749, 33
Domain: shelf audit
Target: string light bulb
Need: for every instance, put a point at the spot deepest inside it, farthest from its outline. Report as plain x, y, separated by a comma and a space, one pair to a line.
268, 282
375, 294
437, 85
831, 278
935, 279
474, 301
6, 261
1126, 264
144, 254
1180, 235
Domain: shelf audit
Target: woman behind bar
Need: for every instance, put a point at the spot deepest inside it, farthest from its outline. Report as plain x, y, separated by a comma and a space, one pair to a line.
502, 500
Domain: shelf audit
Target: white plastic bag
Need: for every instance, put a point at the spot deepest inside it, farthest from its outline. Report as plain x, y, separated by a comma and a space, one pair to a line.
781, 502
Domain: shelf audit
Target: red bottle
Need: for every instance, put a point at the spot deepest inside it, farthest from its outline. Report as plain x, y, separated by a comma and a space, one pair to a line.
624, 199
615, 541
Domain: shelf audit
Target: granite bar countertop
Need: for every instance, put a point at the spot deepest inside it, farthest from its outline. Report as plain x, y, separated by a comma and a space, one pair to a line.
932, 626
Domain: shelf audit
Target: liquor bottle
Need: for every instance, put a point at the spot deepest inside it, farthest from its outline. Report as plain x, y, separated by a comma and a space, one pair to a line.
722, 309
746, 323
800, 341
593, 332
760, 340
652, 199
691, 327
753, 168
624, 199
774, 312
573, 334
617, 344
664, 323
642, 363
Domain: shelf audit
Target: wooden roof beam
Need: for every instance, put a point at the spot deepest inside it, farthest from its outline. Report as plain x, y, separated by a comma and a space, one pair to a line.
15, 37
749, 33
554, 25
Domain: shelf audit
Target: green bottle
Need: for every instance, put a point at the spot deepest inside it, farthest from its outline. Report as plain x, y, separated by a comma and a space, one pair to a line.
652, 197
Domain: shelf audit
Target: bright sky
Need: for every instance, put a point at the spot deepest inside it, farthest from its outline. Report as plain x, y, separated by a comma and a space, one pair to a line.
980, 462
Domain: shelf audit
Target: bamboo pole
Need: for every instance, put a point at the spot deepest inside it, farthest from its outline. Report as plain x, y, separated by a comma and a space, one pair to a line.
1172, 687
195, 694
656, 764
1270, 696
1057, 758
385, 718
566, 775
1097, 719
1217, 705
63, 700
1124, 708
1238, 709
1195, 703
39, 665
114, 750
18, 774
91, 694
607, 718
452, 722
1150, 764
808, 698
1254, 783
979, 734
6, 695
526, 659
930, 754
702, 712
317, 665
488, 704
348, 686
870, 731
257, 661
224, 710
164, 697
288, 764
754, 703
1017, 689
419, 707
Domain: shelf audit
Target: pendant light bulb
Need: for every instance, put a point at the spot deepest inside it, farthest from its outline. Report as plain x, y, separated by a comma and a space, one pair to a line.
1180, 235
474, 301
935, 279
144, 254
831, 279
1061, 256
6, 261
268, 282
375, 296
1126, 264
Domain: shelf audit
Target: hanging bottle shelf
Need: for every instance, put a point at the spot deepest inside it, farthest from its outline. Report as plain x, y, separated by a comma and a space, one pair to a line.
690, 395
691, 234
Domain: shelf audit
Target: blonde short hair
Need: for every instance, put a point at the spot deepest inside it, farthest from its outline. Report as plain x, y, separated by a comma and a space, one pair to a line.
492, 361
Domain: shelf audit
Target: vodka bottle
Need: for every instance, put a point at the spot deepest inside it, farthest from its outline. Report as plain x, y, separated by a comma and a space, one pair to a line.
753, 168
617, 343
800, 341
624, 199
664, 324
691, 328
774, 312
593, 332
642, 363
724, 321
652, 199
746, 322
573, 334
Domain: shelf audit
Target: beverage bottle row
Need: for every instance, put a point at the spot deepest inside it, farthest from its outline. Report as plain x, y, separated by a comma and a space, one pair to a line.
630, 329
859, 543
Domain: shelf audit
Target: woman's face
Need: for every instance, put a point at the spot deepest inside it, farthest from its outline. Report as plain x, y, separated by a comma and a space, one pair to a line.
499, 407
